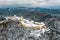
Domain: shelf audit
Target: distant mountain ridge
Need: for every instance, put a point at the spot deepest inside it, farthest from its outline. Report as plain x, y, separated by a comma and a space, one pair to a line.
18, 10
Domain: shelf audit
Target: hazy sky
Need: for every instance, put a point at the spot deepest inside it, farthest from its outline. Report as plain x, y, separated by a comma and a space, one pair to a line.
35, 3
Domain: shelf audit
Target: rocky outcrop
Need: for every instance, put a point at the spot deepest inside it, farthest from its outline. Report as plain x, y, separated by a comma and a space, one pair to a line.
13, 31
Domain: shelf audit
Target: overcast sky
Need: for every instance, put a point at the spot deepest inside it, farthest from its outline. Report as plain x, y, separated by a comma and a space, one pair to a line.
34, 3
